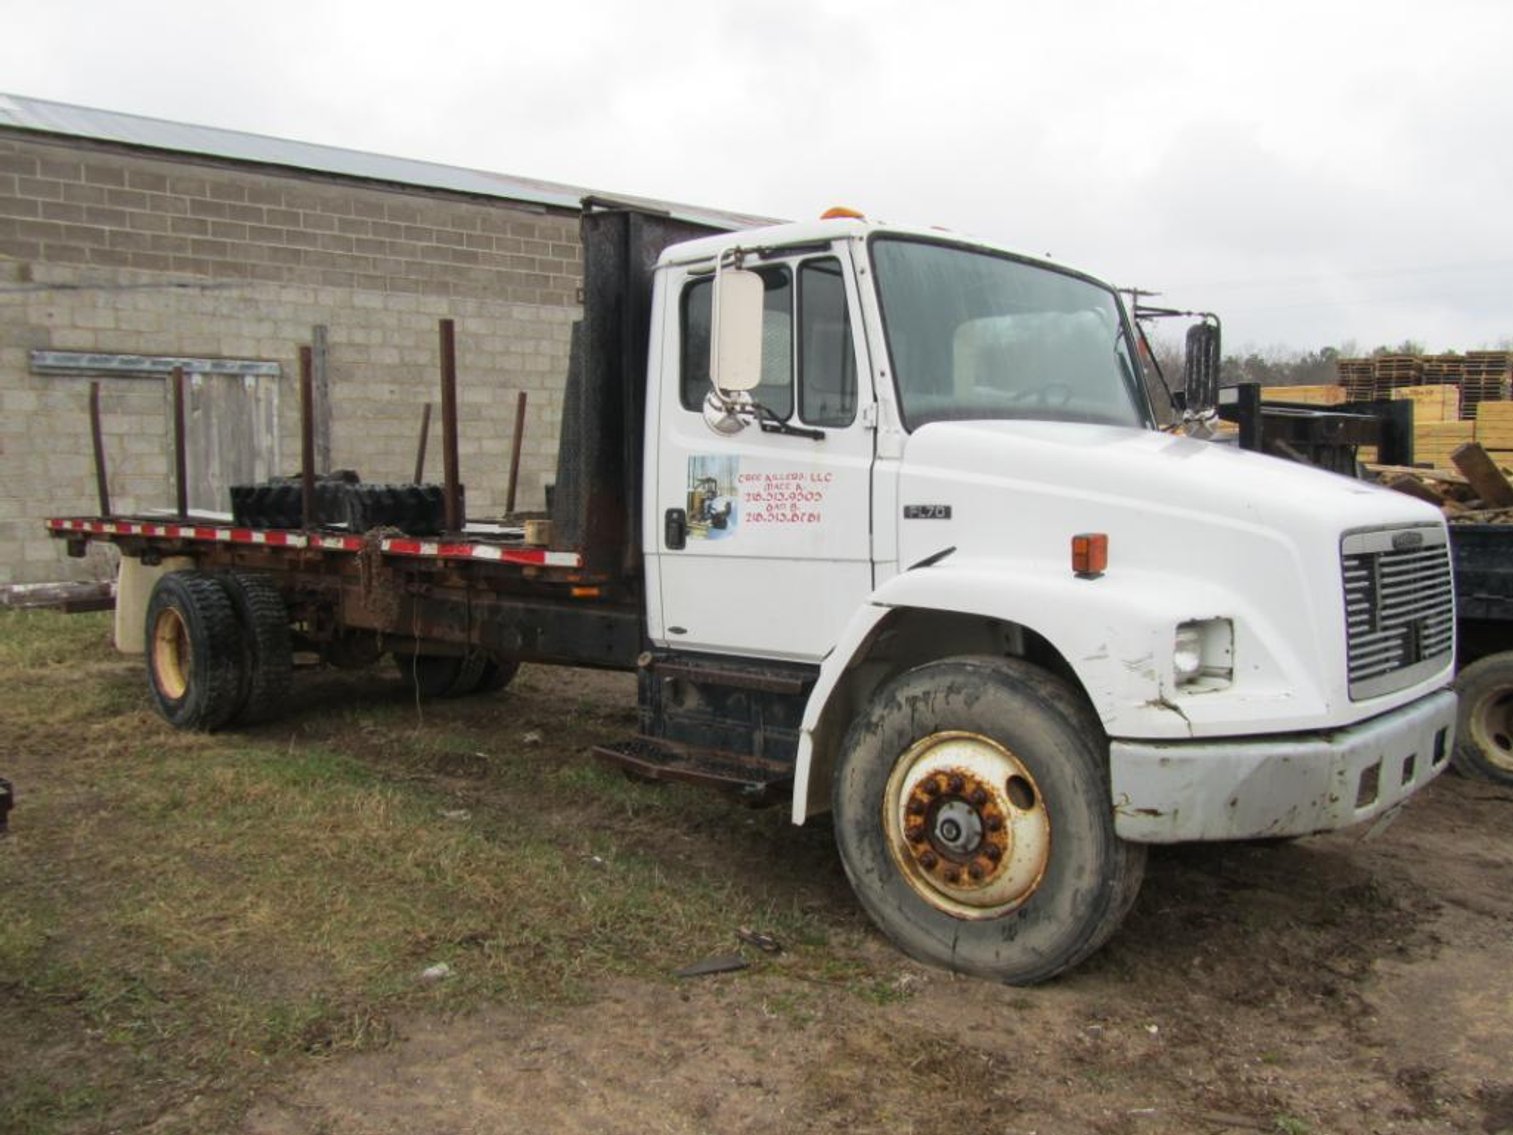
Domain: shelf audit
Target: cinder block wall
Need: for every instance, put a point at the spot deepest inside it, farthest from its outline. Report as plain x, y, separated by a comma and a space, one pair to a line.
108, 249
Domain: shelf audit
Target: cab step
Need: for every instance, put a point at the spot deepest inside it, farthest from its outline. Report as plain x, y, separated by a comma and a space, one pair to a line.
755, 778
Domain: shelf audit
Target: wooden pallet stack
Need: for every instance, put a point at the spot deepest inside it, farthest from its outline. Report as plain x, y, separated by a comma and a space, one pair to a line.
1393, 372
1358, 377
1443, 370
1485, 377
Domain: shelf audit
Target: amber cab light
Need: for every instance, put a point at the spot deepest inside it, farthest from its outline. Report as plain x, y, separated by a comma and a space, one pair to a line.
1090, 554
842, 212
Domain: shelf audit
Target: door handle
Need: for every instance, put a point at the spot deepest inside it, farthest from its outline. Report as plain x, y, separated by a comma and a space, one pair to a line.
675, 529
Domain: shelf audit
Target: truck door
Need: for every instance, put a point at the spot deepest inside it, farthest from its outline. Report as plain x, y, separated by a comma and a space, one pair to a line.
761, 540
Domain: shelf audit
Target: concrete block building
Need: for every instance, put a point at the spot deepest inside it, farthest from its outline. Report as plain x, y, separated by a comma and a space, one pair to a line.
130, 245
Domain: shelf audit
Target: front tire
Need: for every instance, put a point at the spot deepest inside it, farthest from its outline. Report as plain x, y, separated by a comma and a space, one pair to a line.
973, 818
194, 651
1484, 734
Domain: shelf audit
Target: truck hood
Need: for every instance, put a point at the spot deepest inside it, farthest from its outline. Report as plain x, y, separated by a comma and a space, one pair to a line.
1149, 485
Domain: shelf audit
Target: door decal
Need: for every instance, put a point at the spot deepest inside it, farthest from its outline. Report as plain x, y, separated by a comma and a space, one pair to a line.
713, 504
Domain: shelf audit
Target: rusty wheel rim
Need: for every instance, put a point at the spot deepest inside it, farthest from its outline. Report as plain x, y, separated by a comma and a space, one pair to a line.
1491, 726
171, 654
967, 825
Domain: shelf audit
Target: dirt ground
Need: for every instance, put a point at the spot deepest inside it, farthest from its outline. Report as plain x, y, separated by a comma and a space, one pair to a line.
1340, 984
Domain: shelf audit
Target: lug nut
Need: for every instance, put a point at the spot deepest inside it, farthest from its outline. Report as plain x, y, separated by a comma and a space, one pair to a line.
978, 797
994, 824
915, 835
932, 788
993, 852
928, 861
916, 807
956, 784
953, 876
975, 870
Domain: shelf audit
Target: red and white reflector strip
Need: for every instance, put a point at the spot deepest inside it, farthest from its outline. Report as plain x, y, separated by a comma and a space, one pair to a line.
279, 538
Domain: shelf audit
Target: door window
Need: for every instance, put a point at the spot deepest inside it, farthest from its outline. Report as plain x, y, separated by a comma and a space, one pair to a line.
821, 353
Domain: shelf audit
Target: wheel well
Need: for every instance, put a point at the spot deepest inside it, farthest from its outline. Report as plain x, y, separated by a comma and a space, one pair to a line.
910, 637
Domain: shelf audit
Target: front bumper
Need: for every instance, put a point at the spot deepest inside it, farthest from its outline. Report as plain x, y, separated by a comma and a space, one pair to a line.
1173, 792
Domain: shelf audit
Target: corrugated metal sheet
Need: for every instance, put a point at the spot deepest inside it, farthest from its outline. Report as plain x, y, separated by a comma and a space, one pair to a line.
23, 113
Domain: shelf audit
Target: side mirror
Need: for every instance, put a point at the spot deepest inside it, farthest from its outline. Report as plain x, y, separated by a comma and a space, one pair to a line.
735, 341
1200, 369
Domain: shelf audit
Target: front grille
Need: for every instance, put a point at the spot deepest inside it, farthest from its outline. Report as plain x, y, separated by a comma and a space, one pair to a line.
1399, 607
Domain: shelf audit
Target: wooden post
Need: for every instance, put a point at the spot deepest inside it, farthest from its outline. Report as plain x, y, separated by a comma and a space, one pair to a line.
420, 448
451, 501
102, 486
180, 453
307, 439
509, 499
321, 397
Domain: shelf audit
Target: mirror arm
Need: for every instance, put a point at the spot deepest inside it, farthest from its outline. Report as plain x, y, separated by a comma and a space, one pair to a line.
778, 427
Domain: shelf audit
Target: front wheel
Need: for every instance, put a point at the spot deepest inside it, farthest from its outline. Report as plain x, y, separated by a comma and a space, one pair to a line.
973, 817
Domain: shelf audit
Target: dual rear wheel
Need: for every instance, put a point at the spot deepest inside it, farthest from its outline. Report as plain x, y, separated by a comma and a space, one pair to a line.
220, 653
218, 649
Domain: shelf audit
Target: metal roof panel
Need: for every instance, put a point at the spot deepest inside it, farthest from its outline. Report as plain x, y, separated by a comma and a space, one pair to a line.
44, 116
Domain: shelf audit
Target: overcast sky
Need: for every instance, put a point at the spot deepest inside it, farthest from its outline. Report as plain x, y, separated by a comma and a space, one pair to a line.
1318, 173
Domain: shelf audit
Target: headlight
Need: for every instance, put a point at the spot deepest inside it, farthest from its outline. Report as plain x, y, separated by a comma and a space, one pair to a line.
1203, 654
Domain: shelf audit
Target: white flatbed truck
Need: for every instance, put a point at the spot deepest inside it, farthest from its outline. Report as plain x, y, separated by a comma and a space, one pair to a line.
882, 520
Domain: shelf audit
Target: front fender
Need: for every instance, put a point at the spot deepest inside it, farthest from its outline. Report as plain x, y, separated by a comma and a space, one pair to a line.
1114, 631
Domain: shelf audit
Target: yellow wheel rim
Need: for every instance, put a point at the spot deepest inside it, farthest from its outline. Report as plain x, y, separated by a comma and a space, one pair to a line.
171, 654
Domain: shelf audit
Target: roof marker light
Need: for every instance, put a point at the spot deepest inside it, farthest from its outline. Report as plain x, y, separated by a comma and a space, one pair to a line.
842, 212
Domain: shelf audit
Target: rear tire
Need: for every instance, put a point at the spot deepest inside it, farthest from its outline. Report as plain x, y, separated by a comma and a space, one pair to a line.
497, 673
973, 818
441, 675
1484, 733
268, 656
195, 651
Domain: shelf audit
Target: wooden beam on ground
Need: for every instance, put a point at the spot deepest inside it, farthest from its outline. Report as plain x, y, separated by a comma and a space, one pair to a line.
1485, 477
1411, 486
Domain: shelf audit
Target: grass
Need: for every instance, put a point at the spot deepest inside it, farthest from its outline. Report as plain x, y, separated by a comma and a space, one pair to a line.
189, 917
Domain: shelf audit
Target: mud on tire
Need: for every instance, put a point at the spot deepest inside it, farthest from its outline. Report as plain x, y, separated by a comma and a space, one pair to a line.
973, 818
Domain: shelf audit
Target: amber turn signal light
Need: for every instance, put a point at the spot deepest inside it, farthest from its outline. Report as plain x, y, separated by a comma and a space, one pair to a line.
1090, 554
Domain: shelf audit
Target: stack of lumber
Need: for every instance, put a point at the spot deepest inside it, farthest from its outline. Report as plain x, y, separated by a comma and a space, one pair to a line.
1485, 377
1494, 430
1308, 395
1432, 403
1477, 492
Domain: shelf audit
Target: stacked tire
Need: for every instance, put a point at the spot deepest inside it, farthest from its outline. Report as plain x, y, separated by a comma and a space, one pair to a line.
416, 510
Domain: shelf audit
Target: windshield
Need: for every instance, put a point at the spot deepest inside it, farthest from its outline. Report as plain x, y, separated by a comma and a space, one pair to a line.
975, 335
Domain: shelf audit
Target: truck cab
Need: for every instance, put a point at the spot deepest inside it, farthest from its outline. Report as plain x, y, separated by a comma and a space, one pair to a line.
945, 504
